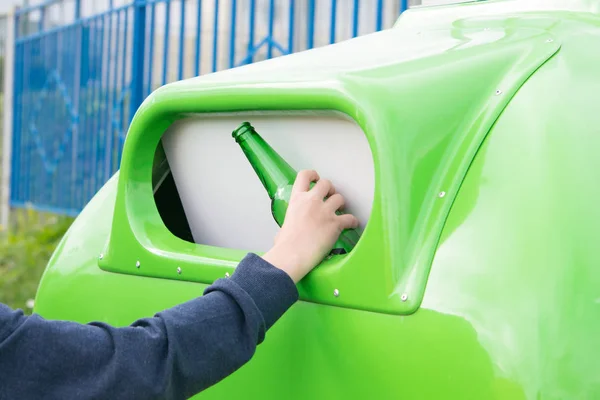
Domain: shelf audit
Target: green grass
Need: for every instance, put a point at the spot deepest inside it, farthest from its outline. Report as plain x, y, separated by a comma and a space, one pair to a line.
24, 252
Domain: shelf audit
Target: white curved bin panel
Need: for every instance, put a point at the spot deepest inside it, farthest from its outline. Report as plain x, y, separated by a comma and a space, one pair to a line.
223, 199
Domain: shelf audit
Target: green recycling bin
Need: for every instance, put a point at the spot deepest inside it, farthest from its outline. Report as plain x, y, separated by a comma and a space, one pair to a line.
466, 141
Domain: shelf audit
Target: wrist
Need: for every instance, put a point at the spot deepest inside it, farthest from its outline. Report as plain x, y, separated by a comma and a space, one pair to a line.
288, 261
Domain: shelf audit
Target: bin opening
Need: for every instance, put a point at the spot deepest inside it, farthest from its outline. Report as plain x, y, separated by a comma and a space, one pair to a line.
166, 196
208, 193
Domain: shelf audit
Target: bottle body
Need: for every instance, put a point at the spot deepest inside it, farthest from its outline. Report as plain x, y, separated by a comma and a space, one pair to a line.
278, 178
280, 202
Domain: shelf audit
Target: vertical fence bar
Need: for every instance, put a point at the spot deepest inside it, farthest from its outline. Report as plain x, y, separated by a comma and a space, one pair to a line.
166, 44
403, 5
198, 33
124, 67
310, 41
20, 104
85, 32
74, 71
21, 133
42, 17
215, 37
232, 33
181, 41
69, 55
51, 189
271, 26
43, 193
36, 163
90, 92
251, 31
114, 131
379, 20
17, 67
92, 85
76, 39
124, 89
9, 113
55, 183
355, 18
92, 134
98, 76
35, 45
151, 47
37, 167
77, 9
106, 123
81, 93
137, 62
332, 26
292, 17
26, 116
58, 190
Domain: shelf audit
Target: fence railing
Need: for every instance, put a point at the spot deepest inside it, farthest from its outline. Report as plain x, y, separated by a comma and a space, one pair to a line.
6, 89
77, 84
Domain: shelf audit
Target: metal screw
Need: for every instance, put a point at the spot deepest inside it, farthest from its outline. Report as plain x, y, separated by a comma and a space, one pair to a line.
336, 293
226, 274
101, 256
442, 194
404, 297
137, 264
179, 270
498, 92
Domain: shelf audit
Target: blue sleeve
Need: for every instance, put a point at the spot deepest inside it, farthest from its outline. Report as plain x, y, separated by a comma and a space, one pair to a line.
173, 355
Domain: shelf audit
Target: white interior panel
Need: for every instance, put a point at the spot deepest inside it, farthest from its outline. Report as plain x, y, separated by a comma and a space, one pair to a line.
224, 201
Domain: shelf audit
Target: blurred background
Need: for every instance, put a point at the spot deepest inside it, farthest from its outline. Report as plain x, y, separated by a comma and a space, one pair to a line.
73, 73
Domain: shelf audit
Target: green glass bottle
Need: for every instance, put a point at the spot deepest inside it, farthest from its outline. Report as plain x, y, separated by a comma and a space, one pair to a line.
278, 177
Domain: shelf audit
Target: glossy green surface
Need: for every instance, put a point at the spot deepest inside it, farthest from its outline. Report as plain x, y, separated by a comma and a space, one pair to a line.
509, 307
424, 124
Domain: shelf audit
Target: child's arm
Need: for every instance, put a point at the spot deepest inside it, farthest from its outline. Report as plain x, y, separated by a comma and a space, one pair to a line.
182, 350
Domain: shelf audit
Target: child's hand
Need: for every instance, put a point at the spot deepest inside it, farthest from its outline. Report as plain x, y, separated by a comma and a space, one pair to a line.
311, 226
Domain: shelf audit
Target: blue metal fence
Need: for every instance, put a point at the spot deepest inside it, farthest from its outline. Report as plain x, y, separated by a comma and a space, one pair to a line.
78, 84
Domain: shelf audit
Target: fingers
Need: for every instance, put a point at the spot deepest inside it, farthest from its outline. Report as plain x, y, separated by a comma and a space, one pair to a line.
303, 181
336, 202
347, 221
323, 188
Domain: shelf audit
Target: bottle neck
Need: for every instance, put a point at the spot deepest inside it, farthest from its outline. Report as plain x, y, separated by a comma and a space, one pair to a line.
273, 171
